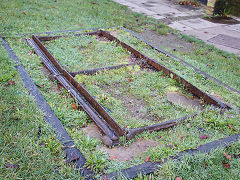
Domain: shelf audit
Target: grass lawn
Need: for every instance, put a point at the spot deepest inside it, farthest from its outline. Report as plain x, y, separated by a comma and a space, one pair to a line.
40, 156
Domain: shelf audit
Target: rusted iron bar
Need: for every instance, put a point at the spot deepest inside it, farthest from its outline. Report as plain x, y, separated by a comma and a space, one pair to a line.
190, 87
158, 127
49, 38
93, 109
94, 71
84, 105
168, 54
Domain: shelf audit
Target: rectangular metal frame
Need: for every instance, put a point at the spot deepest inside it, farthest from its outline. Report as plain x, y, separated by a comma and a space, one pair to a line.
95, 111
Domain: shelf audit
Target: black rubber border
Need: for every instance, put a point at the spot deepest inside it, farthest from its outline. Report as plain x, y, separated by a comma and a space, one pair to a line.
72, 153
149, 167
182, 61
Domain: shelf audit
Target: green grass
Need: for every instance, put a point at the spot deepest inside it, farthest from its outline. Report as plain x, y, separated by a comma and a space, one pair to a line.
40, 16
223, 66
205, 166
86, 52
180, 137
21, 118
36, 155
114, 91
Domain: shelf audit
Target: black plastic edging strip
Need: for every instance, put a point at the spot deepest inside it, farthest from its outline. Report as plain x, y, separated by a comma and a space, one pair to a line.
71, 151
148, 167
182, 61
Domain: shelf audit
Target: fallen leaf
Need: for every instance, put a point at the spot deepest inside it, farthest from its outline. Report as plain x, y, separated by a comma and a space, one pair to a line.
229, 126
147, 158
204, 165
112, 158
227, 156
226, 165
105, 177
204, 136
178, 178
180, 137
74, 106
9, 83
30, 53
40, 85
129, 79
13, 166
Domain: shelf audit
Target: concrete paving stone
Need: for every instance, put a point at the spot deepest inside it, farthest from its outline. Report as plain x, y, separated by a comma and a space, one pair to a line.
203, 35
143, 10
157, 16
167, 11
198, 23
135, 8
179, 26
226, 40
227, 30
138, 1
235, 27
225, 48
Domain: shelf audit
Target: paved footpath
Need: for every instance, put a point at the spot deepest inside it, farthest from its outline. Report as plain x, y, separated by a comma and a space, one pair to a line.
189, 20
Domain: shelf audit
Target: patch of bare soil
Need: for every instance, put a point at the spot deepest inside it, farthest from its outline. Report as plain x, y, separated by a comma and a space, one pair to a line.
114, 33
102, 38
169, 41
136, 107
45, 71
176, 98
127, 153
92, 131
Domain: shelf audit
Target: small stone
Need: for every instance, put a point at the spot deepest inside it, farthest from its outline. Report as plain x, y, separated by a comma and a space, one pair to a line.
107, 141
188, 125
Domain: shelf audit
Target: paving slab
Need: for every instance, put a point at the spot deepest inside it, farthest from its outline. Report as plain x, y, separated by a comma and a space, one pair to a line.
235, 27
179, 26
194, 25
156, 16
198, 23
226, 40
167, 11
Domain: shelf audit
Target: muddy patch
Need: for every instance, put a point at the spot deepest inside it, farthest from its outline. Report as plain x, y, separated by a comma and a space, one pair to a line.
102, 38
114, 33
169, 41
92, 131
136, 107
127, 153
176, 98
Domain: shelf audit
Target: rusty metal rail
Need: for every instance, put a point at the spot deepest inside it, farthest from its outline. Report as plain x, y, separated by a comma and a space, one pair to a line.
157, 65
95, 111
168, 54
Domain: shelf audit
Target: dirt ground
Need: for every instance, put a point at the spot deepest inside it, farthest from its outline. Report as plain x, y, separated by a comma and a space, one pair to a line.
169, 41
